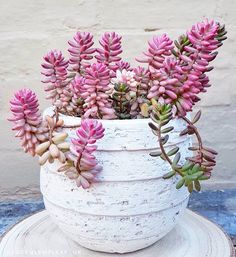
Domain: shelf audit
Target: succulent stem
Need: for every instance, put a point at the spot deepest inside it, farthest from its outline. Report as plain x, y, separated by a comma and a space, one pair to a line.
166, 157
199, 139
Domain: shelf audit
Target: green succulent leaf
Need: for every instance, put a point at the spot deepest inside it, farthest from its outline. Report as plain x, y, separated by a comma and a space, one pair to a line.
195, 175
176, 159
190, 187
187, 42
197, 185
180, 183
175, 53
169, 174
152, 126
188, 165
189, 179
173, 151
166, 116
197, 117
154, 117
192, 148
156, 154
177, 44
184, 132
199, 174
195, 168
167, 130
164, 122
176, 167
204, 177
124, 116
164, 139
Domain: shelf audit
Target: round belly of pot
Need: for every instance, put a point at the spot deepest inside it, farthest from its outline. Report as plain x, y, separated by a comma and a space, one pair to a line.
131, 206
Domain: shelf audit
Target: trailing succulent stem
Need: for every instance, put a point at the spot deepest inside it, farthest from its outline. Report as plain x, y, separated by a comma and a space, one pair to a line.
194, 169
55, 146
81, 164
204, 156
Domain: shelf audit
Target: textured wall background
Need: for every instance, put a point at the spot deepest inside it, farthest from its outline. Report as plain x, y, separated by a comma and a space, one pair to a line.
28, 29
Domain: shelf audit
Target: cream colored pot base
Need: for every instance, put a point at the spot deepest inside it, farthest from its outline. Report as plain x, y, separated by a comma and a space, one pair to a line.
194, 236
130, 206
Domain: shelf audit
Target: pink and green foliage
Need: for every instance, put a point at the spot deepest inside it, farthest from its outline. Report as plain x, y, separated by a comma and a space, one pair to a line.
45, 138
175, 74
127, 78
27, 120
179, 79
106, 87
196, 168
85, 166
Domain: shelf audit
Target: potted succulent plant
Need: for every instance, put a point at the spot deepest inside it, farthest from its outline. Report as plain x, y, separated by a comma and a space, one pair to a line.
116, 196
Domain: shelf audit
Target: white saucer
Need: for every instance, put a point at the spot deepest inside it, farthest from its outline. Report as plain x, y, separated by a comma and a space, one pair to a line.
194, 236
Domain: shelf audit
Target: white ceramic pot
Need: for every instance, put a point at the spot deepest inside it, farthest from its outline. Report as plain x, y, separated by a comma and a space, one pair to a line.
132, 206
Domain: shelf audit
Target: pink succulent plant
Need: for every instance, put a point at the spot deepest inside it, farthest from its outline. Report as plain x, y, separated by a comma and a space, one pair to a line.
171, 77
196, 57
142, 78
82, 152
110, 51
55, 68
121, 65
125, 77
178, 81
96, 99
170, 86
203, 36
111, 89
204, 39
27, 120
159, 48
164, 80
81, 51
77, 88
55, 77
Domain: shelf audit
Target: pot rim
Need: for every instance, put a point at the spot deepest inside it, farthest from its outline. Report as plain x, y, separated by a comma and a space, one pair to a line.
69, 120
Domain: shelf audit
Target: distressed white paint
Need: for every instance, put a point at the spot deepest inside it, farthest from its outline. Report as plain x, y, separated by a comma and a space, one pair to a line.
194, 236
131, 206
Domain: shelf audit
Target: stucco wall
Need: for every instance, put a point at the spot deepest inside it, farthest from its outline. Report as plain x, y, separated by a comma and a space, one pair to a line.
28, 29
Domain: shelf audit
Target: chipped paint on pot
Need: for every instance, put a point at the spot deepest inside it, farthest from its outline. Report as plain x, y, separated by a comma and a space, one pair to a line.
131, 206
